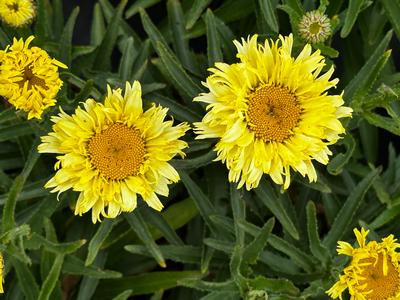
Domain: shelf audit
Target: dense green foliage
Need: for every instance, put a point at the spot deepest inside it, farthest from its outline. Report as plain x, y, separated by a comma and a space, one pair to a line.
212, 241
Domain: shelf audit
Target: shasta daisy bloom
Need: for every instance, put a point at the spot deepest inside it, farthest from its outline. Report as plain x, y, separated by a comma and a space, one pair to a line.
315, 27
29, 77
112, 152
17, 13
373, 272
271, 112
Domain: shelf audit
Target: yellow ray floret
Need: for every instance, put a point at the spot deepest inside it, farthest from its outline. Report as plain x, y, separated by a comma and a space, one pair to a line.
271, 112
1, 273
29, 77
112, 152
17, 13
373, 272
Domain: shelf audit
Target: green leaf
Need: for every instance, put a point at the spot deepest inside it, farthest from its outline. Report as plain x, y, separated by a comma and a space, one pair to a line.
214, 52
351, 16
202, 202
123, 296
195, 12
42, 24
98, 238
226, 286
345, 216
179, 77
14, 131
360, 81
221, 295
98, 29
65, 52
7, 115
139, 226
177, 28
194, 163
316, 248
29, 287
145, 283
59, 248
52, 278
137, 5
184, 254
238, 212
274, 203
273, 285
220, 245
269, 14
253, 250
103, 56
337, 163
127, 60
385, 217
14, 233
76, 266
392, 9
58, 17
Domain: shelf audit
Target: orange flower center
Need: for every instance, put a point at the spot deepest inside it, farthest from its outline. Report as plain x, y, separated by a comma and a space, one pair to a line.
272, 113
379, 286
117, 152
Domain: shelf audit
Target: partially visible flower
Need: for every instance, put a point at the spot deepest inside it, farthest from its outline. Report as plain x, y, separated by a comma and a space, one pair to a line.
373, 272
17, 13
315, 27
29, 77
1, 273
113, 152
271, 112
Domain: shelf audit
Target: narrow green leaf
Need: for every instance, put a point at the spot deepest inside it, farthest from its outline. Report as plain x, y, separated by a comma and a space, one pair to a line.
358, 83
7, 115
224, 223
226, 286
300, 258
390, 124
221, 295
29, 287
98, 29
151, 30
184, 254
14, 233
194, 163
14, 131
202, 202
8, 220
137, 5
238, 212
275, 205
214, 52
179, 111
385, 217
269, 14
337, 163
220, 245
316, 248
351, 16
273, 285
76, 266
177, 28
123, 296
52, 278
97, 240
85, 92
345, 216
195, 12
65, 52
179, 77
58, 17
59, 248
139, 226
143, 284
127, 60
253, 250
103, 56
42, 23
392, 9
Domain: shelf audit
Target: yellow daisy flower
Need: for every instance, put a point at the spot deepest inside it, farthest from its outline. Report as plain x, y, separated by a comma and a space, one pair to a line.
112, 152
1, 273
17, 13
29, 77
271, 112
374, 271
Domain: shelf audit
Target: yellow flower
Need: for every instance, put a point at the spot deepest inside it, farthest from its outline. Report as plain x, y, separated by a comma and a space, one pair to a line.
271, 112
374, 271
17, 13
29, 77
315, 27
1, 273
112, 152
